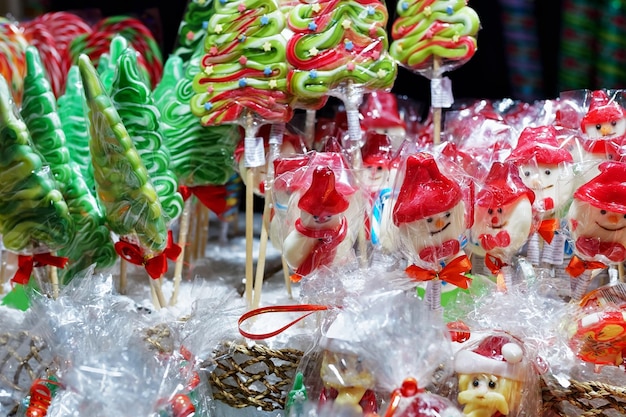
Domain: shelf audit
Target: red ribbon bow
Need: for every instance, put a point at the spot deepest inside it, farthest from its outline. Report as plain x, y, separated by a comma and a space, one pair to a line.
453, 273
213, 197
547, 229
489, 242
577, 266
494, 264
592, 246
155, 266
435, 253
26, 263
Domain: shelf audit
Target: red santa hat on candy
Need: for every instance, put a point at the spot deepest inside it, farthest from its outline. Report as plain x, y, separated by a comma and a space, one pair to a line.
376, 150
380, 112
502, 186
425, 191
541, 144
322, 198
601, 110
607, 190
495, 355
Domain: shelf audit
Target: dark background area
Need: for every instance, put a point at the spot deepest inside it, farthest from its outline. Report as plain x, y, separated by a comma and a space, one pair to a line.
485, 76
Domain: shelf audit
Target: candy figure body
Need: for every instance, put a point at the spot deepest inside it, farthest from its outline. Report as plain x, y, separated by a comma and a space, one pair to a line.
503, 217
491, 377
547, 169
597, 222
321, 227
430, 215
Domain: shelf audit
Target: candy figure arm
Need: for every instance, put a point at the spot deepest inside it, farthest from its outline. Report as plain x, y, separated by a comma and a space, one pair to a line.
32, 210
134, 103
123, 187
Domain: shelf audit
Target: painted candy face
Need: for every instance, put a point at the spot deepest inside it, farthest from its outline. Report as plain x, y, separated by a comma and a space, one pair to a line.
514, 219
607, 130
374, 177
586, 220
433, 230
485, 395
553, 185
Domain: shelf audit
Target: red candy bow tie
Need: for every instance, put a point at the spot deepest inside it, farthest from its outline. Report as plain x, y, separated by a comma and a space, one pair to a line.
155, 266
577, 266
26, 263
453, 273
489, 242
547, 229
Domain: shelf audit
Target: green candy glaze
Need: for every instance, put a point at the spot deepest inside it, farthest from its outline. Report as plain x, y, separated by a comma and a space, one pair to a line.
33, 212
200, 155
134, 103
129, 199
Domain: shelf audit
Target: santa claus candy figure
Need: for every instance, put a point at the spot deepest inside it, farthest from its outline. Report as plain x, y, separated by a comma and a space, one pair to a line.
321, 227
604, 128
547, 169
496, 378
597, 222
503, 219
430, 215
381, 116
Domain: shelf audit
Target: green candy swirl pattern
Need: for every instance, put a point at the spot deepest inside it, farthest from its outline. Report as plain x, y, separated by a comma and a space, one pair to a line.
336, 42
42, 120
134, 103
131, 204
245, 67
201, 155
71, 108
33, 212
191, 30
429, 29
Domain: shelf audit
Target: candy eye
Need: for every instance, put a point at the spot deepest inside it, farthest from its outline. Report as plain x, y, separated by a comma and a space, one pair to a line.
598, 126
613, 123
547, 172
475, 383
490, 211
500, 210
527, 173
429, 220
448, 214
492, 385
603, 212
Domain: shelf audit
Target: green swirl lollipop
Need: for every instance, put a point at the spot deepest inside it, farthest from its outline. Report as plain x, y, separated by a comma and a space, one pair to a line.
133, 100
91, 244
32, 210
192, 28
72, 111
130, 202
201, 155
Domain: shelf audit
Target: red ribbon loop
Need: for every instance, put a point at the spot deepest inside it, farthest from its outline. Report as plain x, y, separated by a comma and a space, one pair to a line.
26, 263
453, 273
577, 266
409, 388
300, 308
547, 229
494, 264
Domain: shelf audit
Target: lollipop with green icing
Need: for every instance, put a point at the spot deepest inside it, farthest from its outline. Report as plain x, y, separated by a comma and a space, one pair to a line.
33, 212
192, 28
200, 155
131, 205
91, 243
108, 63
71, 108
134, 103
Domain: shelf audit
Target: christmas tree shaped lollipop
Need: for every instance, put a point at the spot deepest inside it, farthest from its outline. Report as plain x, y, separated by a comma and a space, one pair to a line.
432, 37
192, 28
339, 48
71, 108
92, 241
134, 103
33, 213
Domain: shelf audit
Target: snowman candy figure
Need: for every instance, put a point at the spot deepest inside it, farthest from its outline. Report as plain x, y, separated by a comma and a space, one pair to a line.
503, 219
430, 215
321, 228
547, 169
597, 223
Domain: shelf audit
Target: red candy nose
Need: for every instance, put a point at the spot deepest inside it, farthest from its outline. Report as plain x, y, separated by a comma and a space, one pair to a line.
548, 203
494, 220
